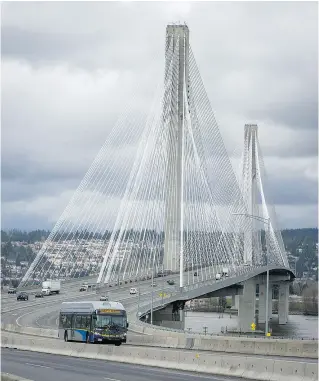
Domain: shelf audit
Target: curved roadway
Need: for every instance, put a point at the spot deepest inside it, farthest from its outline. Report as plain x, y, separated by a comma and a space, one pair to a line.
43, 313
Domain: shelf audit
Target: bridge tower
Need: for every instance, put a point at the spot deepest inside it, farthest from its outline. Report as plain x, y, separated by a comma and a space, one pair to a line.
176, 55
249, 177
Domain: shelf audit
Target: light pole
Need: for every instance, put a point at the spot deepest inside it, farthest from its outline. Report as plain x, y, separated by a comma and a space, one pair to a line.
267, 220
138, 301
152, 289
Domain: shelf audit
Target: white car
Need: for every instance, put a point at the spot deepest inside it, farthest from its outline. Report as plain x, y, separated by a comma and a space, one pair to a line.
133, 291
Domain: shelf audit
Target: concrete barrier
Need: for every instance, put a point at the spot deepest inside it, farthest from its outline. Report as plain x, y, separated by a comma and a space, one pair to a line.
53, 333
311, 372
169, 339
288, 371
11, 377
263, 370
249, 367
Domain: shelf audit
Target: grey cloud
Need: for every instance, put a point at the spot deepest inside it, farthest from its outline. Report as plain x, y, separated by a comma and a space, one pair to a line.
257, 60
300, 115
25, 222
292, 191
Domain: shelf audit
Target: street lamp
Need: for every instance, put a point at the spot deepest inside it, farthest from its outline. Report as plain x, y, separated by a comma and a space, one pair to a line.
152, 287
267, 220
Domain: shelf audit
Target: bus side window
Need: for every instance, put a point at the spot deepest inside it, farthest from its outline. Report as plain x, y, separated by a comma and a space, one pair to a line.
62, 321
86, 322
78, 321
68, 321
65, 321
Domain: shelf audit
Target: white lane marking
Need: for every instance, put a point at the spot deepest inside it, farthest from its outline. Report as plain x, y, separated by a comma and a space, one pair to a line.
111, 379
27, 313
39, 366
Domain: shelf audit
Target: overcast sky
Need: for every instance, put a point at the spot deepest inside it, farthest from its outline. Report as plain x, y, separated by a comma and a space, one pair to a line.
68, 69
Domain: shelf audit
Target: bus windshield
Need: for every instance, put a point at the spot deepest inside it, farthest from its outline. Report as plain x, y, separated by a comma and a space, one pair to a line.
103, 321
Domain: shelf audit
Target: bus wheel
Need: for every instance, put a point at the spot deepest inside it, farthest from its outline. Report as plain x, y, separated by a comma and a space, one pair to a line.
66, 336
118, 344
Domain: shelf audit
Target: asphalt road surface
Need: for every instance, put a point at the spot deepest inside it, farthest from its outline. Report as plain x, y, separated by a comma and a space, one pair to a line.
39, 367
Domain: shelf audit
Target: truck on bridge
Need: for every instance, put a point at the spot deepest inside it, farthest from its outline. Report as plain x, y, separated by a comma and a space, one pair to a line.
50, 287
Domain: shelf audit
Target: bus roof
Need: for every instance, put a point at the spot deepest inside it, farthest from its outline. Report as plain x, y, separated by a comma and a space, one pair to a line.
90, 307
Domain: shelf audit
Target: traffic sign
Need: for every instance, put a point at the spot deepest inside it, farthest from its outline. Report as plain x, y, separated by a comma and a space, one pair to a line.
253, 326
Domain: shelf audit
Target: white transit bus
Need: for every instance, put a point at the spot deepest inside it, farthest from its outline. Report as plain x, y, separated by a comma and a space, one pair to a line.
93, 322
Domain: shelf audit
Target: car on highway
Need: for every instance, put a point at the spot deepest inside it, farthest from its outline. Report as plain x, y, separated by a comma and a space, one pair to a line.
154, 284
84, 287
171, 282
38, 295
23, 296
104, 298
12, 290
133, 291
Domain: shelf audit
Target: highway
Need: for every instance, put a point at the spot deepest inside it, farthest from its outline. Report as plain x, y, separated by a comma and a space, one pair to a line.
43, 312
39, 366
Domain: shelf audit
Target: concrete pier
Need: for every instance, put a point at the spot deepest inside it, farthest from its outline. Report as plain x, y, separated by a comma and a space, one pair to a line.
283, 303
235, 302
247, 306
262, 303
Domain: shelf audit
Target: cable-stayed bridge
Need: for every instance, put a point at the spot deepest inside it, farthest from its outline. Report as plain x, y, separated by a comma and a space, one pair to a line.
177, 206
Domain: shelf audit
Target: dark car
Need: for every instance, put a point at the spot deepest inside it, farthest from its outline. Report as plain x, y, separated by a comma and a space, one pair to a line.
195, 273
12, 291
23, 296
38, 295
171, 282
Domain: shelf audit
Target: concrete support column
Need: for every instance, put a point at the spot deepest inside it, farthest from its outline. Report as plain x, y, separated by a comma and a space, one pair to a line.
270, 302
182, 318
235, 302
283, 303
262, 304
247, 305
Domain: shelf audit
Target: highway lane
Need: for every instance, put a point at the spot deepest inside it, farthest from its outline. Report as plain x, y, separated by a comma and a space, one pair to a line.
74, 284
44, 312
40, 366
46, 316
10, 307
